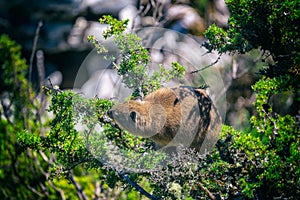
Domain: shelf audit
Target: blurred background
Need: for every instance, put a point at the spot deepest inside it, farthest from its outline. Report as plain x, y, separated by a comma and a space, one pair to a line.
65, 24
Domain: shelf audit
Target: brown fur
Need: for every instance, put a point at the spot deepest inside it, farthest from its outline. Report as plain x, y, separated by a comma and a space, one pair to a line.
172, 116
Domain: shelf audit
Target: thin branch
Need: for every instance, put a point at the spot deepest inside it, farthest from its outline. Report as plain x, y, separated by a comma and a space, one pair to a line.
158, 12
209, 194
139, 13
148, 7
60, 191
97, 191
137, 186
79, 189
46, 159
36, 37
20, 178
52, 87
41, 73
215, 62
40, 67
128, 180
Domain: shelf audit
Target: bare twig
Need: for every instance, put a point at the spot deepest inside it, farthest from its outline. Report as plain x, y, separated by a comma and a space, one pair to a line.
36, 37
46, 174
209, 194
41, 73
60, 191
137, 186
97, 191
128, 180
79, 189
198, 70
20, 178
26, 111
40, 67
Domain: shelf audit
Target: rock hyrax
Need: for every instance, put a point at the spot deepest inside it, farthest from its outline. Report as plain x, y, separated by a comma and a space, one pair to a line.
173, 116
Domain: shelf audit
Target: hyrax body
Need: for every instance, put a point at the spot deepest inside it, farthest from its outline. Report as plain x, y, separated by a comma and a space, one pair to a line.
181, 115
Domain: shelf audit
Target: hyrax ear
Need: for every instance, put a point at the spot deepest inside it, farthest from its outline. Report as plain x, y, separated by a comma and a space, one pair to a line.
133, 116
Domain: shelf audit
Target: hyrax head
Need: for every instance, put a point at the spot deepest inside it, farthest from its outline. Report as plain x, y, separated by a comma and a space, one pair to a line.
141, 118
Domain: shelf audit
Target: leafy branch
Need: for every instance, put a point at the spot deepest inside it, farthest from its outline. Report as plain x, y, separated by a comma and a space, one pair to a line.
134, 59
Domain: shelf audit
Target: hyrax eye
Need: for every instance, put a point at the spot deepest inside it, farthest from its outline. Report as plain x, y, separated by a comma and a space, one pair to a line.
133, 116
176, 101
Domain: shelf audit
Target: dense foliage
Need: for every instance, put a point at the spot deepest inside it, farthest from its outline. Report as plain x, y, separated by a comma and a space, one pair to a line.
271, 150
18, 112
272, 26
41, 150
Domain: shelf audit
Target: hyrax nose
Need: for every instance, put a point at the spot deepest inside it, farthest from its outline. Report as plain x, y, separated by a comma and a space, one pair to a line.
110, 114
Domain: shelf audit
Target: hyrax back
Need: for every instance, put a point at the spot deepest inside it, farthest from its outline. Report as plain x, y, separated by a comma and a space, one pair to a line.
173, 116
